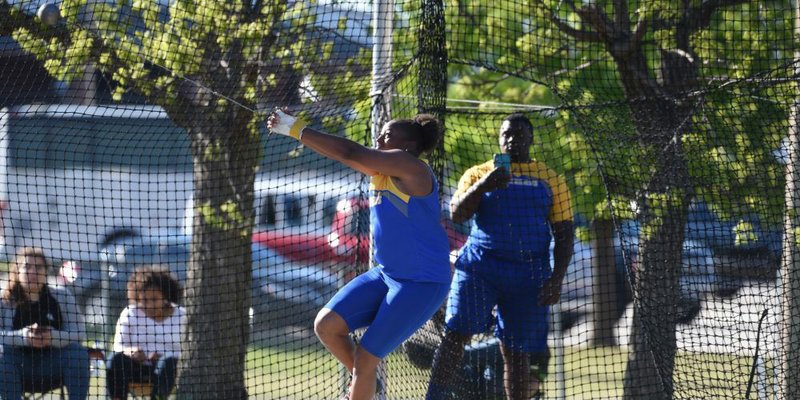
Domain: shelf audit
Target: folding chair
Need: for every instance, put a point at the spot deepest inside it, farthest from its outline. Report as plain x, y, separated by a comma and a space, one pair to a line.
140, 389
37, 389
30, 389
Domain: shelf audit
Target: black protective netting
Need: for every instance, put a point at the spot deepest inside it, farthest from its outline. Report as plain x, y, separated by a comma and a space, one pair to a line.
133, 135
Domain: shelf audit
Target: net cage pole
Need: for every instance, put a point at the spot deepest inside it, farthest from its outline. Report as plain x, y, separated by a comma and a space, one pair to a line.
789, 372
558, 351
381, 92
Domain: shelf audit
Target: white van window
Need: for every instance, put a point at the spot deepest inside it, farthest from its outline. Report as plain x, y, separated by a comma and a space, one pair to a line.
328, 211
299, 204
268, 211
293, 210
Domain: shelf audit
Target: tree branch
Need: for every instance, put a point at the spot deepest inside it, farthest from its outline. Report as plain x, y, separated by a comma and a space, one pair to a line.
577, 34
255, 10
597, 19
657, 23
462, 11
700, 16
571, 6
622, 20
272, 26
567, 29
13, 19
257, 68
639, 31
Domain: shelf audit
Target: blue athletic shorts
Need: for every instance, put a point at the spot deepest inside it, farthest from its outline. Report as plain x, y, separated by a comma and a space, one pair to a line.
392, 310
482, 281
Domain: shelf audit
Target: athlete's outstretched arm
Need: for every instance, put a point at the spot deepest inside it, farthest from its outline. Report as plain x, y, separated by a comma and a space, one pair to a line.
370, 161
396, 163
355, 166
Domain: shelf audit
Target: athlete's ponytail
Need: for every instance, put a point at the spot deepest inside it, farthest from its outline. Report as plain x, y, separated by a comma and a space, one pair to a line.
424, 128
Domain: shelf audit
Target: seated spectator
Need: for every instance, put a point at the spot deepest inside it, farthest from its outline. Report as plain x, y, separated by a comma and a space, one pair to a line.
147, 343
41, 331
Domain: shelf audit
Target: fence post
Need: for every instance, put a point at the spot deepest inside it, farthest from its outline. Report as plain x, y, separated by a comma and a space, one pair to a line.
381, 93
558, 352
382, 54
789, 372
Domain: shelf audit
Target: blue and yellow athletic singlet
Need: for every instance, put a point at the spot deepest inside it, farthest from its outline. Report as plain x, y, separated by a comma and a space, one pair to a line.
408, 237
518, 217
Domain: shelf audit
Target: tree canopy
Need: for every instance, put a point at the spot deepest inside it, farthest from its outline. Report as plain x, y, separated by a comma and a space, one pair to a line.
551, 53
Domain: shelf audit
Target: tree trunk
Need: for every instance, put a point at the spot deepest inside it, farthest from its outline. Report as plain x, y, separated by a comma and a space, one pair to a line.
657, 286
661, 116
226, 152
605, 295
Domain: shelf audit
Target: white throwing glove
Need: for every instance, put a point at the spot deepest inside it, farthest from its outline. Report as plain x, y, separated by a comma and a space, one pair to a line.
288, 125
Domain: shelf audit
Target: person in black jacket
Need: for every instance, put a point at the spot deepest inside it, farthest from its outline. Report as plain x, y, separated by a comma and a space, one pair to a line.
41, 331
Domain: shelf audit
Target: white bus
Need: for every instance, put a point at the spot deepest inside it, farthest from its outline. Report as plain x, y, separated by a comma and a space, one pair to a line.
71, 174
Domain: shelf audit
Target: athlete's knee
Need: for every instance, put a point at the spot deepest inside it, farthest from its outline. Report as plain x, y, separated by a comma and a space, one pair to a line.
364, 362
455, 338
539, 363
451, 350
329, 323
516, 361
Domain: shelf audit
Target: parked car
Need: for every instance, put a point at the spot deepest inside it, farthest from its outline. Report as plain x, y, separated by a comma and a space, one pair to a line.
744, 247
82, 275
284, 293
698, 278
344, 242
578, 288
120, 257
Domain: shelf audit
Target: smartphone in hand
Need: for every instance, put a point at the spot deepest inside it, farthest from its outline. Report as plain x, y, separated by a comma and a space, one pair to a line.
503, 160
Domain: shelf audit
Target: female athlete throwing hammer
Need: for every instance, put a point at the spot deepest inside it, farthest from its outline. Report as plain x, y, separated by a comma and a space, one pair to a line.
412, 277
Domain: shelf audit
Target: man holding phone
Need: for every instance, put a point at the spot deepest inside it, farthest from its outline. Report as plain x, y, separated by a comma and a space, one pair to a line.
503, 275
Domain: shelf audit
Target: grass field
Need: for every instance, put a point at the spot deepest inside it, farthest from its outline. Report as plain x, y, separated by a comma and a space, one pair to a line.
589, 374
310, 373
292, 365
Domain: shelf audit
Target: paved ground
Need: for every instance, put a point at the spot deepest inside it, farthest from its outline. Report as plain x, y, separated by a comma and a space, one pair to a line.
724, 325
732, 325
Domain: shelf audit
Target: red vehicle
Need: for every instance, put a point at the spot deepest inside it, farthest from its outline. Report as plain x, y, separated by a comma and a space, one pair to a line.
345, 244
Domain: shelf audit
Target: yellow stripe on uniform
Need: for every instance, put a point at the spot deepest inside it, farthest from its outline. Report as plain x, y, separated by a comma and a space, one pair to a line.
384, 183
